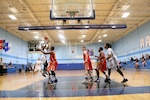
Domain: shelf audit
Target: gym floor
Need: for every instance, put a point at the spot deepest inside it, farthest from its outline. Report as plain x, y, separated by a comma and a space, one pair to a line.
34, 87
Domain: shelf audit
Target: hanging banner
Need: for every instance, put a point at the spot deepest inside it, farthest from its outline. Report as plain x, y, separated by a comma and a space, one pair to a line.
9, 47
147, 41
142, 43
1, 44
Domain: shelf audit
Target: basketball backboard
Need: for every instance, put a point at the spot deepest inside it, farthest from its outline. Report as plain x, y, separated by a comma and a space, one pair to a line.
72, 10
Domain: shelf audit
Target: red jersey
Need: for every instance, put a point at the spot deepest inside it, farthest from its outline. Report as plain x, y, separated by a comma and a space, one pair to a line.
102, 63
53, 62
87, 59
52, 56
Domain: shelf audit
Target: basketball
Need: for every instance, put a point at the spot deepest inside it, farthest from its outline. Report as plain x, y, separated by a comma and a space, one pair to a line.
46, 38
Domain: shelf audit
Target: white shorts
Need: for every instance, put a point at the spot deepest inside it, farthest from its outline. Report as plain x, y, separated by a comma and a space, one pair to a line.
37, 68
112, 62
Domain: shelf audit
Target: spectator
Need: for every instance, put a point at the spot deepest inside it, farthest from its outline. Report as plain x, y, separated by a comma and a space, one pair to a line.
124, 62
143, 62
1, 66
132, 59
137, 65
10, 64
147, 56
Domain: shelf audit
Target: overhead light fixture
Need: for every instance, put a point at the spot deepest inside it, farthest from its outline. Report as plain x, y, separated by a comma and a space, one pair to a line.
125, 7
105, 35
13, 9
113, 27
125, 15
99, 40
82, 41
36, 37
87, 26
61, 36
58, 27
83, 36
63, 41
12, 17
26, 29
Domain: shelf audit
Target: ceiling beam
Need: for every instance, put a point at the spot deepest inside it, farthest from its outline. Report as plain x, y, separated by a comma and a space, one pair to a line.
97, 33
32, 14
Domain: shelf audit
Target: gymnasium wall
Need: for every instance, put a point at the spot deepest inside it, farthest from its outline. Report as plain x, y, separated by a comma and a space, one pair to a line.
68, 54
69, 57
18, 52
129, 45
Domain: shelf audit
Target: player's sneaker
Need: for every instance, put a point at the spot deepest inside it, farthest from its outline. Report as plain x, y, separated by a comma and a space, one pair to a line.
55, 80
107, 80
97, 80
91, 79
85, 81
50, 82
124, 80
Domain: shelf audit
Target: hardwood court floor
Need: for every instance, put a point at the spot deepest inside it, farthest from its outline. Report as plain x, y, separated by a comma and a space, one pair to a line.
138, 86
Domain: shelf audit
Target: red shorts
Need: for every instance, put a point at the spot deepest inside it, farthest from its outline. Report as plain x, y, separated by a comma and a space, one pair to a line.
88, 65
102, 65
52, 66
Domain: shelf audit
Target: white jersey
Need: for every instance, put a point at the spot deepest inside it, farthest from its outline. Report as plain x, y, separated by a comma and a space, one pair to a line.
113, 60
38, 66
43, 58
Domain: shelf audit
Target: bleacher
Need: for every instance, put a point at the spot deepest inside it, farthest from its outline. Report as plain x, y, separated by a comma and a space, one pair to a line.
130, 65
15, 68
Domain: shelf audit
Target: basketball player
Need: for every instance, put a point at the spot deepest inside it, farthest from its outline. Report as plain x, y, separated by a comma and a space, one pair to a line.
87, 65
102, 64
37, 66
46, 44
52, 65
112, 61
45, 64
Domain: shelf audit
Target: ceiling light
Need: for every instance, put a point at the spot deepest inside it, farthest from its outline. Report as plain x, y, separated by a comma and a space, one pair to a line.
82, 41
83, 36
63, 41
26, 29
87, 26
105, 35
99, 40
58, 27
13, 9
113, 27
12, 17
125, 15
61, 36
125, 7
36, 37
